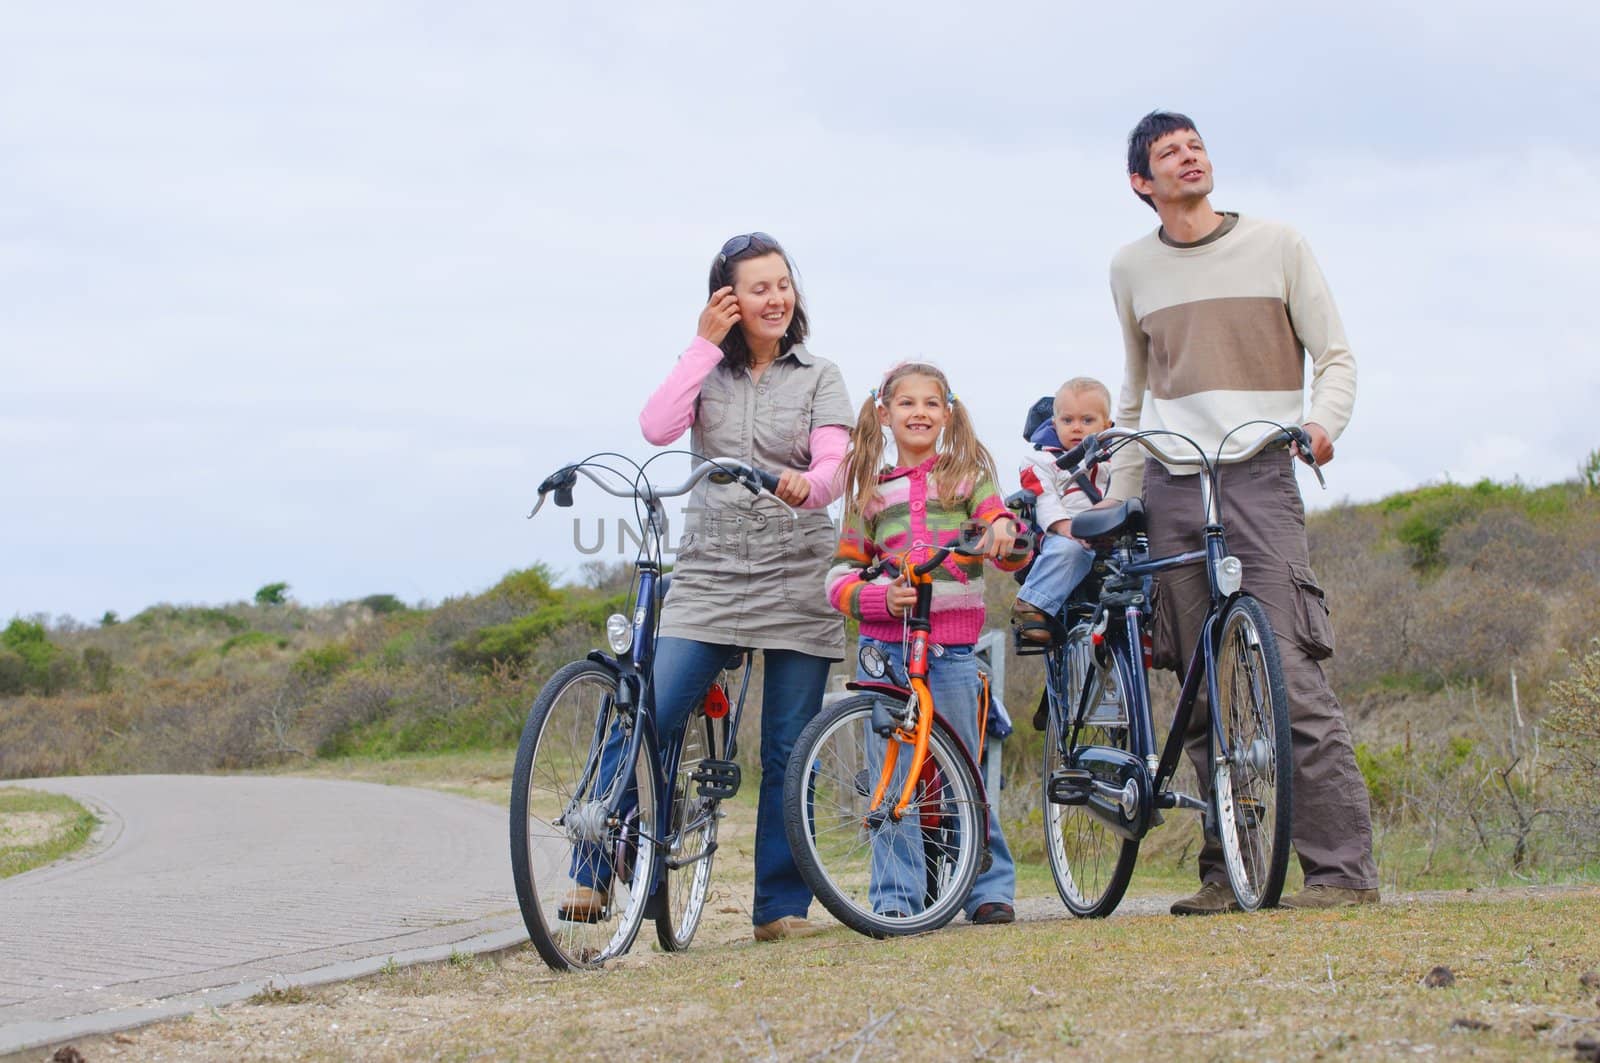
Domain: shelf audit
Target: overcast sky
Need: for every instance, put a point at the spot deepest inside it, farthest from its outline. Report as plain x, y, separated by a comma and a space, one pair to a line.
318, 292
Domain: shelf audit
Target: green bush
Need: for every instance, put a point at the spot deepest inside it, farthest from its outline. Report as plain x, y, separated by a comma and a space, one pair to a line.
322, 663
97, 664
273, 594
43, 668
252, 638
526, 584
384, 603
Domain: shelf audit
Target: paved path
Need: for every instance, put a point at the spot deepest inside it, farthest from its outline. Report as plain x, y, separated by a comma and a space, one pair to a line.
202, 889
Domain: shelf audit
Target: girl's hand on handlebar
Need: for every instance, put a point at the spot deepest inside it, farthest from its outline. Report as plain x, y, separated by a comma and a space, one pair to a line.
1001, 538
902, 596
793, 487
719, 316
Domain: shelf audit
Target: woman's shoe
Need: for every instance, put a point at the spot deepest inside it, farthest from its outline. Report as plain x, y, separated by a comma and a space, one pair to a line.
789, 926
583, 904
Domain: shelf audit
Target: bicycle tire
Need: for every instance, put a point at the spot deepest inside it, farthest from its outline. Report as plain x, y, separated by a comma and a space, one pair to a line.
551, 840
691, 836
1091, 864
827, 792
1252, 774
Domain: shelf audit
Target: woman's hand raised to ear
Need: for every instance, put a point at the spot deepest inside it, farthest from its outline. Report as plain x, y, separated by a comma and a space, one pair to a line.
719, 316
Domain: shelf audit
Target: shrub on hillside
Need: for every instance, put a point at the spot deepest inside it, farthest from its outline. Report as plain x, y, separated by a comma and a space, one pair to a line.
30, 662
1574, 728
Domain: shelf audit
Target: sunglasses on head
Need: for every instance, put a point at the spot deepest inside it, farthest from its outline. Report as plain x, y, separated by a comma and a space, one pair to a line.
738, 245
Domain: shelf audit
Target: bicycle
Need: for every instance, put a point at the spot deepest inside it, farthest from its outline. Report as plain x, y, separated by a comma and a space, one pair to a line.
856, 812
1105, 784
605, 828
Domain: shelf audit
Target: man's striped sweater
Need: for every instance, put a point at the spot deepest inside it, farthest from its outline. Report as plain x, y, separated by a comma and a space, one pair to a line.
907, 513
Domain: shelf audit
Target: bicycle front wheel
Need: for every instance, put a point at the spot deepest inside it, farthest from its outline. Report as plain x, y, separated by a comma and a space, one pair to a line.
1090, 863
1252, 771
582, 874
875, 875
691, 839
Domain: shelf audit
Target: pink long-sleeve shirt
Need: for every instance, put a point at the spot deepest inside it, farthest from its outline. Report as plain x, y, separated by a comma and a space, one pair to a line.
670, 411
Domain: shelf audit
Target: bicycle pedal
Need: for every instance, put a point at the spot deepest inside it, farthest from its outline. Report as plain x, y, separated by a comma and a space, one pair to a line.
1024, 648
1069, 786
716, 779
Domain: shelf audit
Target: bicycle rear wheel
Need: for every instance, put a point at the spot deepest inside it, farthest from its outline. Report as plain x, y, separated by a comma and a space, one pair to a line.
582, 877
1090, 863
1252, 772
691, 839
876, 876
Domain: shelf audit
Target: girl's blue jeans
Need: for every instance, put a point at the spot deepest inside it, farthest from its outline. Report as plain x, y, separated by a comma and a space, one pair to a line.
1061, 565
897, 862
791, 695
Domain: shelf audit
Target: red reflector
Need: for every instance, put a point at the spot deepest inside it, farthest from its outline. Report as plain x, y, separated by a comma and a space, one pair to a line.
716, 702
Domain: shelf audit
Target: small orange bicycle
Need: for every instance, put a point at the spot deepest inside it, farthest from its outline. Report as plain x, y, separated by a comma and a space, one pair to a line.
880, 787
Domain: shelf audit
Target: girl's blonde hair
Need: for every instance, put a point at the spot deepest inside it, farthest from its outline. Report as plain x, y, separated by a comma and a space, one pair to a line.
962, 464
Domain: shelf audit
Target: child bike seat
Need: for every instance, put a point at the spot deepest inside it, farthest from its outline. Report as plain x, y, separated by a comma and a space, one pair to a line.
1123, 518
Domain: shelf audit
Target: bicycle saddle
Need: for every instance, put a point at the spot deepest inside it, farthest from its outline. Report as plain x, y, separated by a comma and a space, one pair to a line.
1120, 519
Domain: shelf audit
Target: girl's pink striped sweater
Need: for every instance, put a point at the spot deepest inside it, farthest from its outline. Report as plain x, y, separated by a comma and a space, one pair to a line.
908, 513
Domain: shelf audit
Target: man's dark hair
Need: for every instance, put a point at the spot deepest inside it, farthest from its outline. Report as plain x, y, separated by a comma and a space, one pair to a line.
1151, 128
735, 349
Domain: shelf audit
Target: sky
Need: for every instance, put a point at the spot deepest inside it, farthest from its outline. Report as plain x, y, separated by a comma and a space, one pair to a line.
319, 291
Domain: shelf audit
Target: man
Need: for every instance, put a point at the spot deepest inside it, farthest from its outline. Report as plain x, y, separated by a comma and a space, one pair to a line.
1219, 312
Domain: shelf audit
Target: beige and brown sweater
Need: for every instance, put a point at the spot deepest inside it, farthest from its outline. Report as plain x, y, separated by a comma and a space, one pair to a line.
1218, 331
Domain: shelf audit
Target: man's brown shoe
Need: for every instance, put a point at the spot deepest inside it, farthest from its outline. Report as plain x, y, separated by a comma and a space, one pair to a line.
1214, 898
582, 905
790, 926
1320, 895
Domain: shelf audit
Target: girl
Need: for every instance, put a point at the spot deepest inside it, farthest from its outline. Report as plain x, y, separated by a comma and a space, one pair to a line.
943, 478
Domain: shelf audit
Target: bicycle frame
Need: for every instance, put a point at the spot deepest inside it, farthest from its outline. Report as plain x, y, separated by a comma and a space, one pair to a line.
635, 674
1144, 775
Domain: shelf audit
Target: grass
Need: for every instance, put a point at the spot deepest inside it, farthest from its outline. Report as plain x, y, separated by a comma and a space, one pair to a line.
37, 828
1344, 984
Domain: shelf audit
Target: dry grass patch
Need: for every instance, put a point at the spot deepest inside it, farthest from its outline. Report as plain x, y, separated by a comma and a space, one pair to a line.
37, 828
1272, 985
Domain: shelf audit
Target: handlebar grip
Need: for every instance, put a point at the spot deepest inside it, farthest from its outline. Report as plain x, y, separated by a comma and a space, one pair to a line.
767, 480
1068, 458
1089, 448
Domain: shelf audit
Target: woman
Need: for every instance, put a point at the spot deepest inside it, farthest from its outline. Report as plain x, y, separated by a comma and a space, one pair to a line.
747, 575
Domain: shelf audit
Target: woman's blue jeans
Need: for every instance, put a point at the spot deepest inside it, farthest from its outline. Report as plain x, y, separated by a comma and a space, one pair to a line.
791, 695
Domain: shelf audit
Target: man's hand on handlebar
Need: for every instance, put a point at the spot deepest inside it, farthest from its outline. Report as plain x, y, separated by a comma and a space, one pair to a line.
1321, 443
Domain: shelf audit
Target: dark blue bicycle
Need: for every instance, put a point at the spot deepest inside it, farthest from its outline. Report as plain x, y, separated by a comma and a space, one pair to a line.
1106, 781
612, 822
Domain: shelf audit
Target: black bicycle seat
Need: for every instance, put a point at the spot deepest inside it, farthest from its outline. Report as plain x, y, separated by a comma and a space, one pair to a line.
1120, 519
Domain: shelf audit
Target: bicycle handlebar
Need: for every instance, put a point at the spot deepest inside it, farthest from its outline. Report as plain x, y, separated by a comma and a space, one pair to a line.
1097, 448
972, 534
720, 470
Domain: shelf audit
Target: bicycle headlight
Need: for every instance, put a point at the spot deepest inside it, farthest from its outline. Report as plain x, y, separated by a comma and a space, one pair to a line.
874, 661
619, 633
1230, 574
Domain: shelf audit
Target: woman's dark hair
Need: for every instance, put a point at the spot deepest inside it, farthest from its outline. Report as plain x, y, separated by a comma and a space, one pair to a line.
735, 351
1151, 128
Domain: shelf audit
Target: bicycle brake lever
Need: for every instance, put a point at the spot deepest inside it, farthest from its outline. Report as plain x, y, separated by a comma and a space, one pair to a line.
1302, 446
